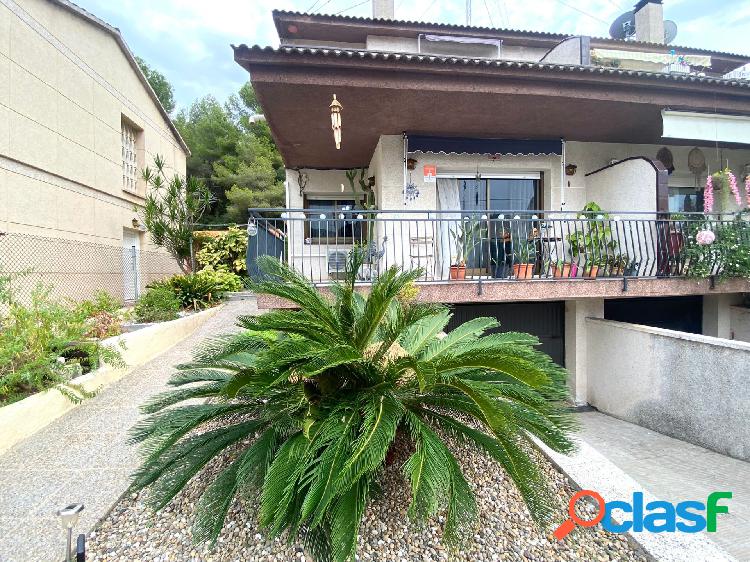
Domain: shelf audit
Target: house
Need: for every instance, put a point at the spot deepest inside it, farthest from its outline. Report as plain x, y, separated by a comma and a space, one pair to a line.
476, 145
78, 122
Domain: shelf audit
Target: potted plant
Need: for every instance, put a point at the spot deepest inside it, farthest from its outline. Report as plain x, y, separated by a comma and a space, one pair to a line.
593, 243
563, 269
524, 259
466, 237
617, 264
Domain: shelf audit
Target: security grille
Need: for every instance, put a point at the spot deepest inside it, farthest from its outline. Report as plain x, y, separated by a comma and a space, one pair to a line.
129, 158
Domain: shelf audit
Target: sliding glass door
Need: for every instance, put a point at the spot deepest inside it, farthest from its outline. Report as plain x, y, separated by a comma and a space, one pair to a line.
483, 200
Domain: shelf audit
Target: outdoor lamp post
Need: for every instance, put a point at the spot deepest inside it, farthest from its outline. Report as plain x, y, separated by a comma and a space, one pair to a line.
68, 518
336, 108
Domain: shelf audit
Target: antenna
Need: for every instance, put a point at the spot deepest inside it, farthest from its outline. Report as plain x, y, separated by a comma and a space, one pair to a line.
623, 27
670, 31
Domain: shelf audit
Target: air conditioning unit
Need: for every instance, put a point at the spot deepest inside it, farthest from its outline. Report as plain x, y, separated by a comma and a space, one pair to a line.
337, 264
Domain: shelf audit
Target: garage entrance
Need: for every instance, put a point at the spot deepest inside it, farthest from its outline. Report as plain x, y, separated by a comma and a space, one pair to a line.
545, 320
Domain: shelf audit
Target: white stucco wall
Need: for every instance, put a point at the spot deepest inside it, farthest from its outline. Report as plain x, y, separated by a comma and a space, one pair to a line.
65, 85
683, 385
629, 185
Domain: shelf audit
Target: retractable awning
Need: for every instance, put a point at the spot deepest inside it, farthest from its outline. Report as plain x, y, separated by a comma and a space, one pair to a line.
706, 126
467, 145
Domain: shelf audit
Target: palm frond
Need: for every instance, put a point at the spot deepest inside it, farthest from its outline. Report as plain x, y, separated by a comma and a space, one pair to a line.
171, 397
423, 332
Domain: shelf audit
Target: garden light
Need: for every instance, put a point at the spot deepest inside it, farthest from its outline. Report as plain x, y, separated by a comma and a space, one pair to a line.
68, 518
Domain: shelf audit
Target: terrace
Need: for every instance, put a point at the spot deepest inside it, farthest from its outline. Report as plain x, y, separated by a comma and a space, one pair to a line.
502, 247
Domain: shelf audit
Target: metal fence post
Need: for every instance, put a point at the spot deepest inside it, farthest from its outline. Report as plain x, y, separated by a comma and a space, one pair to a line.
134, 265
192, 253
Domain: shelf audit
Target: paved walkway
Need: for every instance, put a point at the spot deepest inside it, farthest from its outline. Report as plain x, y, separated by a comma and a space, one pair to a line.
83, 456
675, 471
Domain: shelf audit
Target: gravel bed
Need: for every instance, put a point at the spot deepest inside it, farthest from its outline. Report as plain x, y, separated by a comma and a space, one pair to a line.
504, 531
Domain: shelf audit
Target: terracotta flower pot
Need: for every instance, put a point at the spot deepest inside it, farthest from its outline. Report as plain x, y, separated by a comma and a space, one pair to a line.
458, 272
523, 270
567, 270
591, 271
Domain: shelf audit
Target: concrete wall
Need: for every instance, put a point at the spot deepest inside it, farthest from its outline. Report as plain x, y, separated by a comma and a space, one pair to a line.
65, 87
718, 316
687, 386
740, 323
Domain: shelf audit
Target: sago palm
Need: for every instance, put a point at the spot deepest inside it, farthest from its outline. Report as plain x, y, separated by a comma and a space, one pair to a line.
310, 401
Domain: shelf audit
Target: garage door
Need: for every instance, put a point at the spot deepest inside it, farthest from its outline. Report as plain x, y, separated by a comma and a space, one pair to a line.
545, 320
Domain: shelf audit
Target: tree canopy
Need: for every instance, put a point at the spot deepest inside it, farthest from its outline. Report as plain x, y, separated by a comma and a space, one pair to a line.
233, 154
161, 86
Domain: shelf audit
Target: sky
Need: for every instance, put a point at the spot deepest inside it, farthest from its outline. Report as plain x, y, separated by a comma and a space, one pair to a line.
189, 40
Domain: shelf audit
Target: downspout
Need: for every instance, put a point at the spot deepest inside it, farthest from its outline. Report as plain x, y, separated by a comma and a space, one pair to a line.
406, 155
419, 43
562, 175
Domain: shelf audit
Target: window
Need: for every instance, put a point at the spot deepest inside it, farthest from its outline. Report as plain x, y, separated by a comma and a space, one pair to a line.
685, 200
332, 219
131, 140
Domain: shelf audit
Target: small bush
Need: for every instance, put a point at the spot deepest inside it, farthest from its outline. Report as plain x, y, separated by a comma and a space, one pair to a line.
44, 344
227, 251
158, 304
226, 281
101, 302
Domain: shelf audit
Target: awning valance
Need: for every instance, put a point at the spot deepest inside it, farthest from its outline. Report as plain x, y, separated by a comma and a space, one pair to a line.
706, 126
467, 145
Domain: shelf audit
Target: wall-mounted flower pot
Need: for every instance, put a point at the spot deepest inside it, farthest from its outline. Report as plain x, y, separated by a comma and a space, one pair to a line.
523, 270
458, 272
567, 270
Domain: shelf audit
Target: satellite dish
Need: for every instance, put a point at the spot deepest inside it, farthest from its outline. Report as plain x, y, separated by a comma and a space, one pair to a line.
670, 31
623, 27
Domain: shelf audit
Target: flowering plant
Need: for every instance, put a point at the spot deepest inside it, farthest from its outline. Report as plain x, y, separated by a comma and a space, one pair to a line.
708, 196
705, 237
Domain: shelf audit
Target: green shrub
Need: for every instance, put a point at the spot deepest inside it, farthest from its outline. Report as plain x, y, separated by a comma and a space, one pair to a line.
158, 304
226, 281
101, 302
193, 290
311, 401
227, 251
32, 339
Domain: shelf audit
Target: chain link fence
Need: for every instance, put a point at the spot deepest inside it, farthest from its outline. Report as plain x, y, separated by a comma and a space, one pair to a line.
77, 269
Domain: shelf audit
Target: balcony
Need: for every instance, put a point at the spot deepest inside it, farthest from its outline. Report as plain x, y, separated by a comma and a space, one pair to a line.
502, 246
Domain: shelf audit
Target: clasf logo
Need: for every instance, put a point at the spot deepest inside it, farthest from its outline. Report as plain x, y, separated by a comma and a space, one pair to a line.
654, 517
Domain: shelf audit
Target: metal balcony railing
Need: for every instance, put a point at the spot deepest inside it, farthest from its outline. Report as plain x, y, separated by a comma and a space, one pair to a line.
499, 245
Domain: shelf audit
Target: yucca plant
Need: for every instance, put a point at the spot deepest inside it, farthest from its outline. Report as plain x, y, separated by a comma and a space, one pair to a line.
309, 402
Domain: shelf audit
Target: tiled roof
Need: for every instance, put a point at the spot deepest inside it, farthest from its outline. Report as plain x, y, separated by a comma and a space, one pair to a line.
488, 63
459, 27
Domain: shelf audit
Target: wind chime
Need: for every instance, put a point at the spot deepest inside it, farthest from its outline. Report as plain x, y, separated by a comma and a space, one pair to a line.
336, 108
411, 191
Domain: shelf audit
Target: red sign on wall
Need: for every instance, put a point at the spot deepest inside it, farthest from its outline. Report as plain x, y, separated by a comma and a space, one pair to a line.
430, 173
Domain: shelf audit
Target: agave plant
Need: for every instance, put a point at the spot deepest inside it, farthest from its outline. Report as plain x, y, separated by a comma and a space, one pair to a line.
308, 403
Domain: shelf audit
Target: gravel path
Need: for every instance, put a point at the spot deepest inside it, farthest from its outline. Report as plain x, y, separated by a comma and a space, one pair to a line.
504, 531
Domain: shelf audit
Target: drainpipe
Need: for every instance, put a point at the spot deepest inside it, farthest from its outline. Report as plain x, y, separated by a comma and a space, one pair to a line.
406, 155
562, 176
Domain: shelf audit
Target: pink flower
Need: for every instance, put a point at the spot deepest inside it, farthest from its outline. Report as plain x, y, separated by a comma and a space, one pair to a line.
708, 195
705, 237
734, 188
747, 189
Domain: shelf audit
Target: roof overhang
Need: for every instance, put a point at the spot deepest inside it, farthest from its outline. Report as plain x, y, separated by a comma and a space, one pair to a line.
388, 93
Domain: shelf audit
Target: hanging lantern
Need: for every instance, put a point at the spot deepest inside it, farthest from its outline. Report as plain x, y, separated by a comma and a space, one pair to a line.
336, 108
